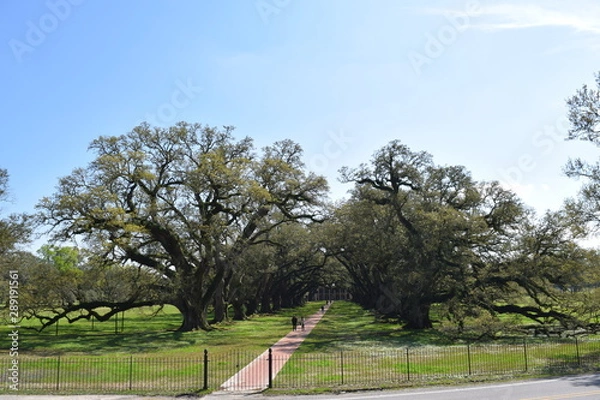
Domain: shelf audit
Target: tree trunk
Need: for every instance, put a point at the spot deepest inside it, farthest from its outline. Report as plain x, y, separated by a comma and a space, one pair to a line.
265, 304
276, 302
219, 304
194, 317
238, 311
251, 306
286, 302
417, 316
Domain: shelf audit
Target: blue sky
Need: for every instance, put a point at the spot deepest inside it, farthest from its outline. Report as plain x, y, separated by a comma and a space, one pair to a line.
477, 83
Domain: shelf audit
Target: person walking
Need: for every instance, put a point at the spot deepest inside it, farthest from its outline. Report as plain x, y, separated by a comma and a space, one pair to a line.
294, 322
302, 322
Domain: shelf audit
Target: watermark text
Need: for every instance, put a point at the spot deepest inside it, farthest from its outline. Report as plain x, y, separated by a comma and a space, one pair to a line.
37, 31
14, 318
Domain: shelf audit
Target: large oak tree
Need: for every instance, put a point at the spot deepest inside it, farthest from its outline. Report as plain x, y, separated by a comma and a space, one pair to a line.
183, 202
415, 234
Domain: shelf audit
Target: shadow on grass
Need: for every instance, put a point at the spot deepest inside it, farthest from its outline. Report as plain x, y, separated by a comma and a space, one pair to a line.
107, 343
347, 323
157, 335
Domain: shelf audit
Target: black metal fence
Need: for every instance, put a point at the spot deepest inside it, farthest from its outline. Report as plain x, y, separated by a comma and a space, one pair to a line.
95, 374
375, 369
365, 369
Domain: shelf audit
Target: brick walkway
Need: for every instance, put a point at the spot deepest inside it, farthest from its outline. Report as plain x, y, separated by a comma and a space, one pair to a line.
255, 376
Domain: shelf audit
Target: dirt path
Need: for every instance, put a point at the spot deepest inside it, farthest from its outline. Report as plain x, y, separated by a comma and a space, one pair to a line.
255, 376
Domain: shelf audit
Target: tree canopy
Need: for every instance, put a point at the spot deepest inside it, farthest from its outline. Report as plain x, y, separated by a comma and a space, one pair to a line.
183, 202
190, 216
416, 234
584, 118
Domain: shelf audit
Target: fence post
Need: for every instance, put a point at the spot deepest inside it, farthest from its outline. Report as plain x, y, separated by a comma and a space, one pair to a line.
577, 350
342, 364
130, 372
205, 387
525, 353
469, 357
270, 359
407, 365
58, 374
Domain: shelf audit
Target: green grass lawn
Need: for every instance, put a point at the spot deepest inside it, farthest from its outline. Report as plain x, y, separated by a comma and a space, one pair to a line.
349, 347
147, 355
346, 326
148, 334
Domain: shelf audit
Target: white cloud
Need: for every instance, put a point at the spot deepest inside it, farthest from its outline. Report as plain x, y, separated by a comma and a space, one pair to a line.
589, 44
579, 15
523, 15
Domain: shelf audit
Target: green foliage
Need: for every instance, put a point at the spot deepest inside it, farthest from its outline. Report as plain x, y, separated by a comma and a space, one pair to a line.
65, 259
184, 203
416, 234
584, 118
65, 283
282, 269
14, 229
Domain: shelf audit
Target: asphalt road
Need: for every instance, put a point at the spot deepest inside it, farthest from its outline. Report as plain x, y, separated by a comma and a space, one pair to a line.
585, 387
577, 387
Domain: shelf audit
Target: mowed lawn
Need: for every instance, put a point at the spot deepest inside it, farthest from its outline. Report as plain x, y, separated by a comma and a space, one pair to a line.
349, 347
148, 332
345, 327
146, 355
